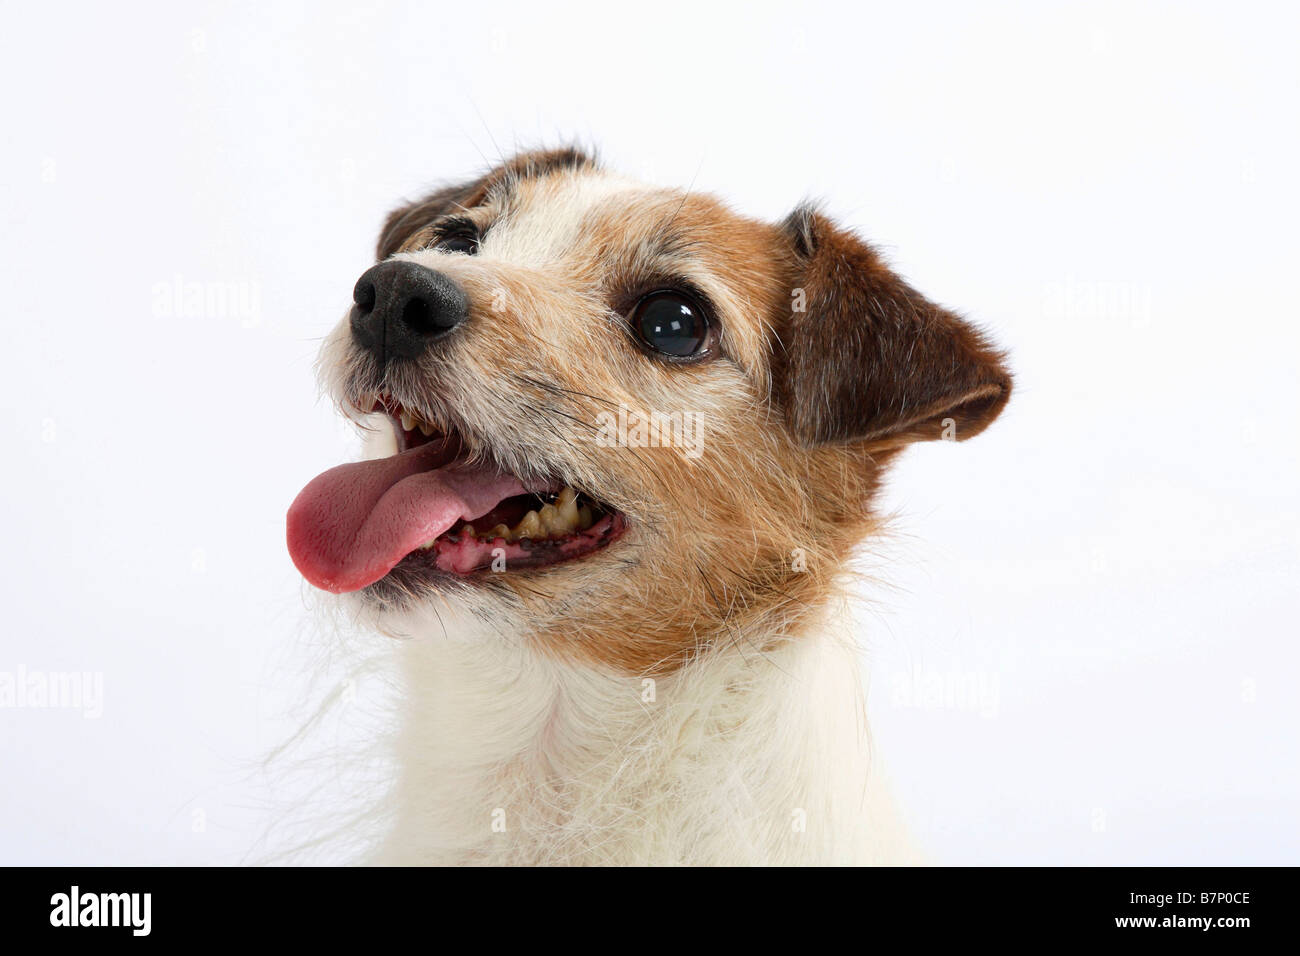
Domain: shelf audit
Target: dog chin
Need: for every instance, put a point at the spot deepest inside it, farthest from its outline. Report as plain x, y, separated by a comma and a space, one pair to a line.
454, 612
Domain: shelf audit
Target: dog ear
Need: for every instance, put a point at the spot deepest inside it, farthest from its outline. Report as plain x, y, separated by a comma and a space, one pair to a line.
402, 224
865, 357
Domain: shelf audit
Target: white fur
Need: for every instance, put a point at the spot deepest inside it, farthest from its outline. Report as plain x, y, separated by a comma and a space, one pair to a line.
507, 756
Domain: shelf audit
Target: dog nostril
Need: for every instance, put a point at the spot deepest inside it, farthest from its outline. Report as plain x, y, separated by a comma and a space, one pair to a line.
364, 296
421, 317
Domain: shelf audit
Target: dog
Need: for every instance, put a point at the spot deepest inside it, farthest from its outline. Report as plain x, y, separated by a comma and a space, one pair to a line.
624, 444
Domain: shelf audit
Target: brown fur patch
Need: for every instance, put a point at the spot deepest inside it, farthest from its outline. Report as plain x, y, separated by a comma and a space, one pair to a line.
870, 358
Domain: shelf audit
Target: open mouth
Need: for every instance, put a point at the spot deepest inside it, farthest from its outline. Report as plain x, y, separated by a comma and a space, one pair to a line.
432, 507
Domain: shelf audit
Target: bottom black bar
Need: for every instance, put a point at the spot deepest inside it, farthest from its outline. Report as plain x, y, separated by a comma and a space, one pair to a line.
1226, 906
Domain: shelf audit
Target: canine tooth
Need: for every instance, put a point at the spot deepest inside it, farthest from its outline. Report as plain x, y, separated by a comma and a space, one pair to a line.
408, 421
529, 527
585, 520
567, 506
425, 428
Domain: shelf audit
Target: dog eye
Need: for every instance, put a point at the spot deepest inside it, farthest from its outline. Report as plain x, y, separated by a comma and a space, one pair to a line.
672, 323
466, 242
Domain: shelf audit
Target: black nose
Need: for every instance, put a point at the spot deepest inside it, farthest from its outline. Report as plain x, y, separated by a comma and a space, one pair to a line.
401, 307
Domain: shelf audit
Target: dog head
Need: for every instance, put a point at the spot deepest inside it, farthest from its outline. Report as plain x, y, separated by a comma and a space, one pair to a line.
623, 420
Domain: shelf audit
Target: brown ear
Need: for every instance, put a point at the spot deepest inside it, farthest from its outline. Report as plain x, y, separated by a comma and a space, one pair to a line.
865, 357
405, 222
402, 224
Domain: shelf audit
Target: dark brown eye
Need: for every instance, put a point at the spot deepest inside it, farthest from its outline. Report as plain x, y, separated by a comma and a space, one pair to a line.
672, 323
464, 241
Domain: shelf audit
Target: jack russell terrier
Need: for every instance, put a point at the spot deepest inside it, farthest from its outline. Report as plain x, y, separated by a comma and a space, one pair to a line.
623, 445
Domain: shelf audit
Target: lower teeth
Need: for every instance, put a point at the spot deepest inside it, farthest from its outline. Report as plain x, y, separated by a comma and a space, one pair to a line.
558, 519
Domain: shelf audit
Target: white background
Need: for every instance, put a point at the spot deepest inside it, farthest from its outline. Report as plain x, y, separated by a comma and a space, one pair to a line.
1087, 648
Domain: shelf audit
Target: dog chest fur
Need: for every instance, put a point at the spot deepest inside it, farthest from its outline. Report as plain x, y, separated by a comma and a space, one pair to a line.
509, 757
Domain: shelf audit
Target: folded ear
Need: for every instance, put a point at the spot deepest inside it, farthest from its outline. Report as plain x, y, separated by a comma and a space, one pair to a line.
865, 357
405, 223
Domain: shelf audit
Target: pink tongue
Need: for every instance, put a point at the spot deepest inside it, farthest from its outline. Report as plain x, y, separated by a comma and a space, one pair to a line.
350, 525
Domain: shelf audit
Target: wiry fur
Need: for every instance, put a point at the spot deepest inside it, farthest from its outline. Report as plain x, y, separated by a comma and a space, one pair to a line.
525, 691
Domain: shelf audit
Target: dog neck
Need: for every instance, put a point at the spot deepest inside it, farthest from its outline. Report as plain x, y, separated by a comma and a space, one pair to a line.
756, 752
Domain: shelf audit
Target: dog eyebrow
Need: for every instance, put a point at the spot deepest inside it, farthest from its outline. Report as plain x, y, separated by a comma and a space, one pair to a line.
670, 242
502, 182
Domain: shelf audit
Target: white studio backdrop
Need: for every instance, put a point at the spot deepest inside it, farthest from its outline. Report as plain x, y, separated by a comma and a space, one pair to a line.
1086, 649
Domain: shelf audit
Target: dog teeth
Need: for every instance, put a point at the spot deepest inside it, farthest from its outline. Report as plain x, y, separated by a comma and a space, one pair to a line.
562, 517
566, 507
529, 527
548, 516
554, 520
414, 421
